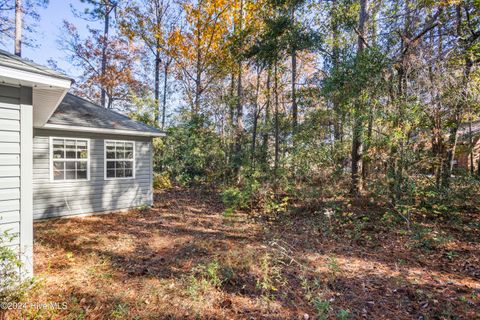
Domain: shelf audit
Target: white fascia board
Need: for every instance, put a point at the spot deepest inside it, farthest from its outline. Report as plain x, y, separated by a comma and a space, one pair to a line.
34, 78
101, 130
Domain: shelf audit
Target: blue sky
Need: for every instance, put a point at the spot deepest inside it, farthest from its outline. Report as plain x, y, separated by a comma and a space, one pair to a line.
48, 31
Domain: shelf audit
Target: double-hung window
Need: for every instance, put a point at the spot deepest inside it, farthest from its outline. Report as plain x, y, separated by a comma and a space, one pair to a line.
119, 159
69, 159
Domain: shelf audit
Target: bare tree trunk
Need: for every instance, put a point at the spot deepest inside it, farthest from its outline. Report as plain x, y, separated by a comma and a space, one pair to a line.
437, 150
294, 93
357, 121
198, 75
266, 123
366, 161
198, 81
110, 102
336, 108
164, 99
231, 120
18, 28
470, 136
356, 152
362, 19
239, 125
294, 80
104, 53
230, 104
436, 134
395, 163
337, 114
255, 118
277, 129
157, 85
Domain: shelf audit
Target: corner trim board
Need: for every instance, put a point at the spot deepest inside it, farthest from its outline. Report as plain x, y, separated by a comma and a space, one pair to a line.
26, 178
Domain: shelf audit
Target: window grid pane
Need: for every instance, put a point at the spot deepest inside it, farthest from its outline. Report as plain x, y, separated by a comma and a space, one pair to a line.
119, 159
70, 159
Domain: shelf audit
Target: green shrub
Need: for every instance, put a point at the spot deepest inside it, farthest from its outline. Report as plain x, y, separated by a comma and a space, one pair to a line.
192, 153
276, 206
234, 198
13, 282
161, 181
252, 196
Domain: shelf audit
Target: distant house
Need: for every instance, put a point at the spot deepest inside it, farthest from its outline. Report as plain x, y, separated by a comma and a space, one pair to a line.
61, 155
468, 147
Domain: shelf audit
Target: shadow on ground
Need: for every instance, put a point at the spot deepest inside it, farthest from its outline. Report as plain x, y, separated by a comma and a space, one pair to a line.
183, 259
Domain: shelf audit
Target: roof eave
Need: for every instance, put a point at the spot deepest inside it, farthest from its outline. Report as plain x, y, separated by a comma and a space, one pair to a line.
48, 90
61, 127
23, 77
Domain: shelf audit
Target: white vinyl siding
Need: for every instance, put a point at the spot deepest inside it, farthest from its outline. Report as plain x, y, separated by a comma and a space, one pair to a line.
10, 163
16, 171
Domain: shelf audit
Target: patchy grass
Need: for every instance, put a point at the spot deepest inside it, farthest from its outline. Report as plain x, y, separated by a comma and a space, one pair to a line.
186, 259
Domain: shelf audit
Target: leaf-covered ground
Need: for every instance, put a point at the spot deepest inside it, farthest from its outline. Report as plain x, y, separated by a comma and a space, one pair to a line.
186, 259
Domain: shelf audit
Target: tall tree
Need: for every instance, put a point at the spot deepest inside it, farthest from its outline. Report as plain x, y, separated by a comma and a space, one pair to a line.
18, 27
117, 78
266, 118
198, 48
18, 21
102, 10
152, 21
267, 51
357, 130
239, 127
244, 15
280, 36
468, 34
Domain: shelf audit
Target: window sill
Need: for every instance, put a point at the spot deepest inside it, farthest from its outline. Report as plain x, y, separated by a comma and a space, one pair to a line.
130, 178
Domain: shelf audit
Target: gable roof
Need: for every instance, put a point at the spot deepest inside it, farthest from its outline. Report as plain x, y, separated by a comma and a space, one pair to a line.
77, 114
12, 61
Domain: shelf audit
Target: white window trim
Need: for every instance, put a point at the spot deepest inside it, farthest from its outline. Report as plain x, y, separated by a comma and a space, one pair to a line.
51, 159
105, 160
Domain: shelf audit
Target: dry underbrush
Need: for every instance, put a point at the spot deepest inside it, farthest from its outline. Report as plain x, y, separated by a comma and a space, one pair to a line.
185, 258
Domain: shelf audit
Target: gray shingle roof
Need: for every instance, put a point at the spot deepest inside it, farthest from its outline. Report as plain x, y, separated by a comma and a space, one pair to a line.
78, 112
12, 61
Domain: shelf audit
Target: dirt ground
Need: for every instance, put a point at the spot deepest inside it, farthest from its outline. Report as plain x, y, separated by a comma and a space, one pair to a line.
186, 259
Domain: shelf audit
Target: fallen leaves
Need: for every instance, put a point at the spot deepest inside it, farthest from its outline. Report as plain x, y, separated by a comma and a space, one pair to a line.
138, 264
